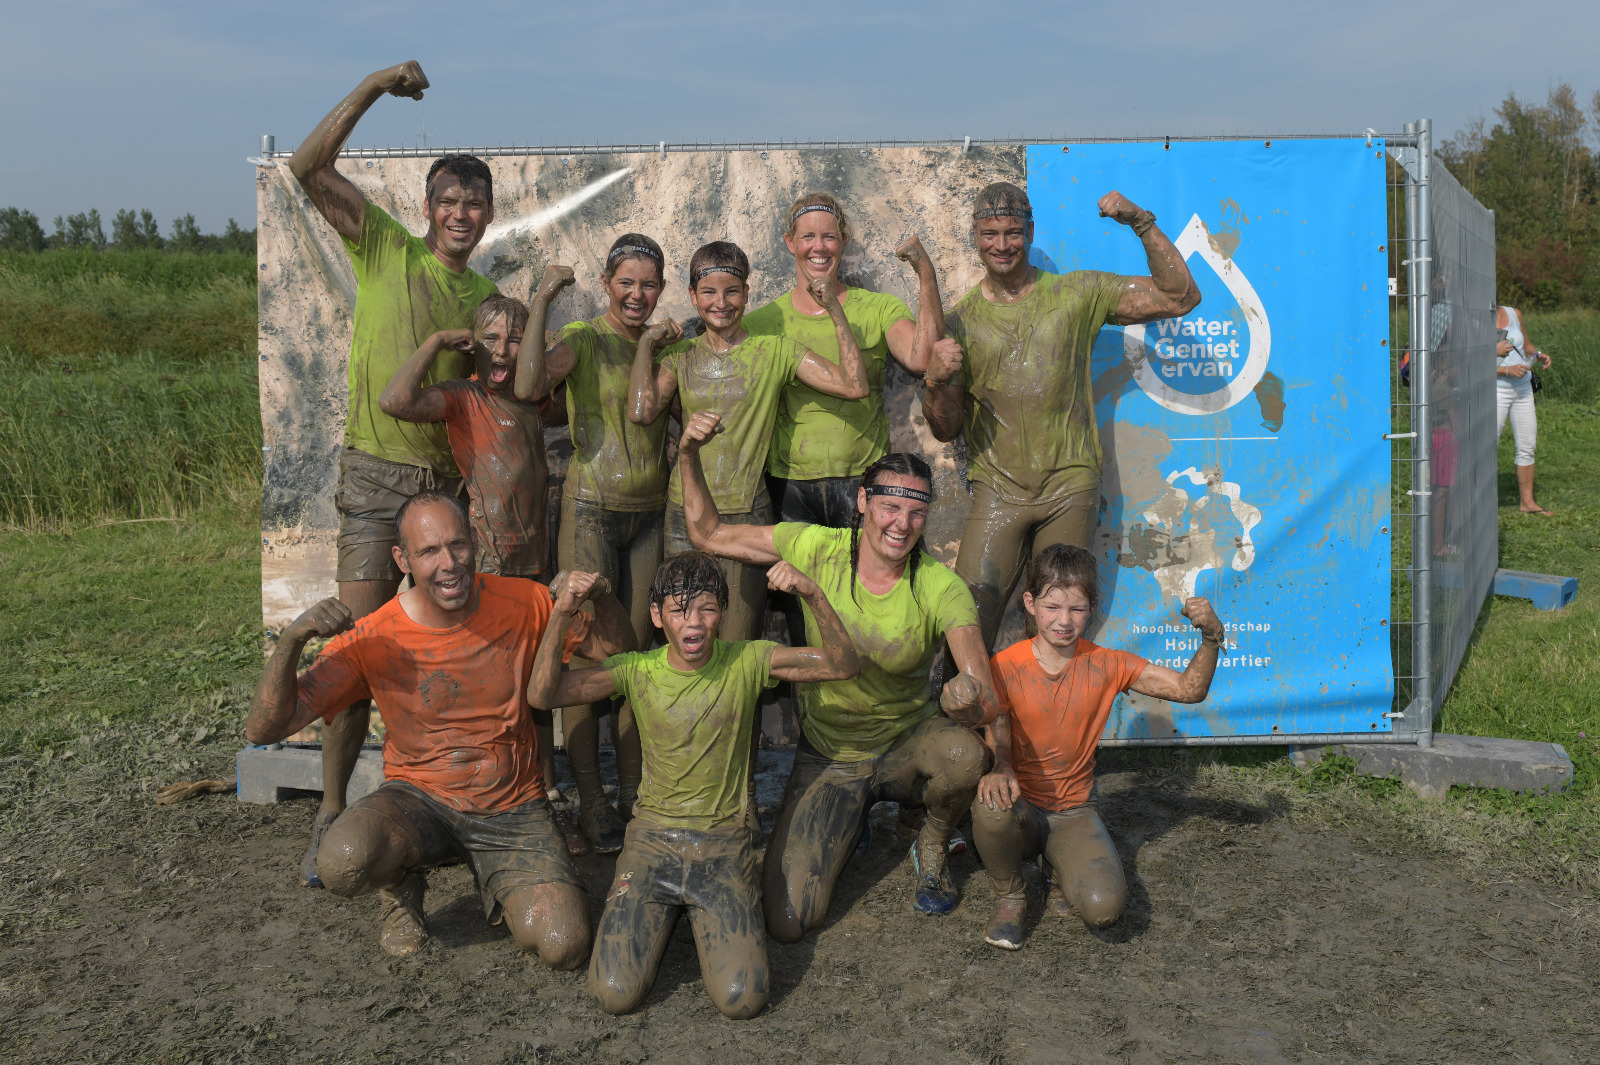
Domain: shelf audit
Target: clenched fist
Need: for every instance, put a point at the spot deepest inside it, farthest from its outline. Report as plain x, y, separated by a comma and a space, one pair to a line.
328, 618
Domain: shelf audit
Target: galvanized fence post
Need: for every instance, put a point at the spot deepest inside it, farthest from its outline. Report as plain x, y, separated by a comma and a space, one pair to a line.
1419, 277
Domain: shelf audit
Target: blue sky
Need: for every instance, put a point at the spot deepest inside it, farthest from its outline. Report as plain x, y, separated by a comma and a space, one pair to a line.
135, 104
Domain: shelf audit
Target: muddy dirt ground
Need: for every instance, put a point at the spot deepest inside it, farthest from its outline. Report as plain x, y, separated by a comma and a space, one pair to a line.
1256, 933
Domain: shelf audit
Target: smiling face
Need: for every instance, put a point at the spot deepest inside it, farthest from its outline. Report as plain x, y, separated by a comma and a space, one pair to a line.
494, 346
892, 525
719, 299
1061, 615
690, 627
1002, 244
436, 548
634, 288
458, 215
816, 245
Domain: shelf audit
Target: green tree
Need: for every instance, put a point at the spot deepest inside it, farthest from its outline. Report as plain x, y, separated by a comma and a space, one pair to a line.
20, 230
186, 235
129, 230
80, 231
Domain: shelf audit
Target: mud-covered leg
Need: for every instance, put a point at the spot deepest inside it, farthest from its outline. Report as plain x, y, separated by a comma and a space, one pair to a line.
729, 936
938, 763
551, 920
1004, 839
631, 938
638, 565
993, 546
1087, 866
814, 836
374, 847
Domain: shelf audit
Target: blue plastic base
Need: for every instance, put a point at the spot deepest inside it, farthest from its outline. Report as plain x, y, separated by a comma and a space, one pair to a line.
1547, 592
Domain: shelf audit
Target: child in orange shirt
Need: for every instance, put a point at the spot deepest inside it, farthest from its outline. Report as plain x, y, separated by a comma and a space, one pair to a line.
1056, 691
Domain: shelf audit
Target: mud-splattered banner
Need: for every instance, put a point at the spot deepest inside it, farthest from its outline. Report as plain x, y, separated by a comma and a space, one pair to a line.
1244, 457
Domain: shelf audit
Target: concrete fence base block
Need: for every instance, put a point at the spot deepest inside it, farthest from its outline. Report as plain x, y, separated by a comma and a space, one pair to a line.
1478, 761
276, 772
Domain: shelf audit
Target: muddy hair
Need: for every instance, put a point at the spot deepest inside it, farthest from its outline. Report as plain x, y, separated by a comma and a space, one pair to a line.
902, 464
719, 254
812, 199
634, 246
468, 169
499, 306
1000, 196
1065, 567
423, 498
686, 575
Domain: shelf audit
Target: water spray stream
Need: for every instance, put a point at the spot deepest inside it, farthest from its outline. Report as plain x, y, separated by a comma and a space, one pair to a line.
561, 208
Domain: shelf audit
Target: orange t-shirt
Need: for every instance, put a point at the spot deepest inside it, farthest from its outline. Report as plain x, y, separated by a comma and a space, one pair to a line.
1056, 721
499, 445
454, 701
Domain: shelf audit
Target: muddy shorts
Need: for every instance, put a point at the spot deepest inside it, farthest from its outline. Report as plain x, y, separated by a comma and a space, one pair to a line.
747, 584
370, 493
1074, 842
515, 849
936, 763
829, 501
1000, 538
624, 546
663, 873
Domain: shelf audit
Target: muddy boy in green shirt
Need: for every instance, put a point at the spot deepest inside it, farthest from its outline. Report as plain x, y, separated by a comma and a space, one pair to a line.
688, 846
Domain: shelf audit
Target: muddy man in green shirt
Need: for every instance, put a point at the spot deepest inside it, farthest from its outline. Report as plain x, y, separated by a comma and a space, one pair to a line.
1013, 373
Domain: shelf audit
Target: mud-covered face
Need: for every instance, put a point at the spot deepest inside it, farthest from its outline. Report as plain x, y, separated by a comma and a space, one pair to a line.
719, 298
689, 627
634, 289
436, 549
458, 215
892, 525
495, 349
1061, 615
816, 245
1002, 243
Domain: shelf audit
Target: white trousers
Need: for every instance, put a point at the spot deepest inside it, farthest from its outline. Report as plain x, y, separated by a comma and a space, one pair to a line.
1516, 400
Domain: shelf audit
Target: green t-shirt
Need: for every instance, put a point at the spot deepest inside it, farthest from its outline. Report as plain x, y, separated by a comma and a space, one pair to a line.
1030, 428
695, 730
819, 435
896, 636
615, 464
404, 295
744, 386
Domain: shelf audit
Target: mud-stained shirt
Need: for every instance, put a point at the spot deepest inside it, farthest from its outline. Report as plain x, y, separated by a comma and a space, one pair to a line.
819, 435
1056, 721
404, 295
695, 728
499, 445
743, 385
895, 635
1029, 424
615, 464
454, 701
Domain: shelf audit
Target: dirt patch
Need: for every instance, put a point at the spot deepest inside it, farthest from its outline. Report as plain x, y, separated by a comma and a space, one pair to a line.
130, 931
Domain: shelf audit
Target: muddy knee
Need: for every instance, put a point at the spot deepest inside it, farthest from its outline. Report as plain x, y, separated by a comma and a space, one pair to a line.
1100, 897
783, 923
351, 860
742, 997
962, 759
551, 921
614, 994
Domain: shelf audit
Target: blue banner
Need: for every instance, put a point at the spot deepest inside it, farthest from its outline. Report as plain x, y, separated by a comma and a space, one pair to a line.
1244, 457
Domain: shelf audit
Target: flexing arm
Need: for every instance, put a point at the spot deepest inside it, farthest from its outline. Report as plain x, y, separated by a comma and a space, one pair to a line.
405, 398
653, 386
550, 685
1170, 290
340, 202
1193, 683
836, 658
848, 380
998, 789
538, 371
912, 343
276, 710
944, 396
611, 630
969, 698
747, 543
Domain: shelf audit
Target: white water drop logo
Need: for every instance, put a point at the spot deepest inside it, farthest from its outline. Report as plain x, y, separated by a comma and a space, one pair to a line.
1148, 360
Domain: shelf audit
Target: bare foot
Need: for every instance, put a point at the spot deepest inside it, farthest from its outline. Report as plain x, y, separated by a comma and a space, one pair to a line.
1537, 509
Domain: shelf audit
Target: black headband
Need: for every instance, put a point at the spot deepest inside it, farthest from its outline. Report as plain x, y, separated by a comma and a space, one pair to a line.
1024, 213
899, 490
808, 208
634, 249
704, 270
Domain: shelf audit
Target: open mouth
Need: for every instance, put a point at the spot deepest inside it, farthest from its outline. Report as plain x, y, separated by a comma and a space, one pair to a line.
451, 587
895, 540
693, 645
498, 372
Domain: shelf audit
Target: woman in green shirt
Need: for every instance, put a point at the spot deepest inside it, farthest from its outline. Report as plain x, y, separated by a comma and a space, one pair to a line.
616, 488
878, 736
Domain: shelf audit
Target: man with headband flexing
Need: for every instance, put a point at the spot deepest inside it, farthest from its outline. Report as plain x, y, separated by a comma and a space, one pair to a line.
1014, 372
877, 736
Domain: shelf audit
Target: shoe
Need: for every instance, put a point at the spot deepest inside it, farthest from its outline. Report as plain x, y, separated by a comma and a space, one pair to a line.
1004, 929
308, 865
405, 927
566, 824
958, 843
602, 825
1056, 902
936, 892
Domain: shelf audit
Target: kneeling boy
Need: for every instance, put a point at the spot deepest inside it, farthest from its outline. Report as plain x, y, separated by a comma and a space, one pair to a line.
688, 846
1056, 691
